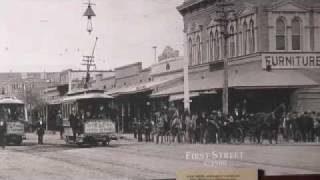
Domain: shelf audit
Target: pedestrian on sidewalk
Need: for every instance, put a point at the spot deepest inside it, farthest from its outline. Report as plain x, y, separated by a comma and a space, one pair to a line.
139, 130
3, 132
59, 122
40, 130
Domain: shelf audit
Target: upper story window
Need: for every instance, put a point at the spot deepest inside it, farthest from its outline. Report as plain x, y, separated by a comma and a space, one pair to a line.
296, 34
190, 51
168, 67
232, 44
245, 37
280, 34
252, 37
217, 45
198, 50
211, 42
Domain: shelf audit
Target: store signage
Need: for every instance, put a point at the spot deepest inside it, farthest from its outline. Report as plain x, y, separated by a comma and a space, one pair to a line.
291, 60
15, 128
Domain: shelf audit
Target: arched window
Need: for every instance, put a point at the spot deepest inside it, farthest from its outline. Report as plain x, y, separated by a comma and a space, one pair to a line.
211, 42
232, 44
198, 50
252, 37
190, 51
296, 34
245, 37
280, 34
217, 48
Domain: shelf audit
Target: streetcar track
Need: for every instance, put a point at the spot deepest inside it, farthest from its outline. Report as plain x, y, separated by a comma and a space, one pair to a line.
48, 148
95, 168
238, 160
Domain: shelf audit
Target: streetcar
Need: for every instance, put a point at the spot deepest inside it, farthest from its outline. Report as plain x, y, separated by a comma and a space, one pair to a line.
92, 109
13, 112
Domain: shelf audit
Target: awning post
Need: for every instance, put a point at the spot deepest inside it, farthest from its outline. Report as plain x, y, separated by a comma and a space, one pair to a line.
186, 101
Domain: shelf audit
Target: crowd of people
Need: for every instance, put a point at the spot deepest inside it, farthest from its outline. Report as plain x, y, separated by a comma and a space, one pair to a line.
169, 126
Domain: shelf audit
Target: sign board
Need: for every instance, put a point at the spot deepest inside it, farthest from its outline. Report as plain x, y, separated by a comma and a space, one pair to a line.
291, 60
218, 174
15, 128
97, 127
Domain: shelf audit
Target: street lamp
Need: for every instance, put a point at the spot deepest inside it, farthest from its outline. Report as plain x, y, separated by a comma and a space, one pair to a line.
89, 13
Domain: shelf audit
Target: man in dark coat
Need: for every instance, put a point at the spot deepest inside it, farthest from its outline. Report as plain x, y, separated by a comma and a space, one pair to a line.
40, 131
3, 132
59, 122
73, 123
147, 129
139, 130
134, 127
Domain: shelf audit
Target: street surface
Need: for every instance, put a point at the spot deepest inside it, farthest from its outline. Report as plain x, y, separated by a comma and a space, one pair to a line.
128, 159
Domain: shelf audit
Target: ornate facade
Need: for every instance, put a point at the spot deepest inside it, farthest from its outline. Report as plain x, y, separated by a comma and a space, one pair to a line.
275, 38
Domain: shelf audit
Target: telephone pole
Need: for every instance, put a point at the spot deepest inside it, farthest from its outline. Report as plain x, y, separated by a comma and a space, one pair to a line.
88, 61
224, 10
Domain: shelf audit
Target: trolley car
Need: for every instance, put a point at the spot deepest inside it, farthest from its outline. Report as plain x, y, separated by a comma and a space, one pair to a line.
92, 109
13, 112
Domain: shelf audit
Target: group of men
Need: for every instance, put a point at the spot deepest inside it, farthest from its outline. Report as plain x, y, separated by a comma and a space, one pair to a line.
212, 127
142, 127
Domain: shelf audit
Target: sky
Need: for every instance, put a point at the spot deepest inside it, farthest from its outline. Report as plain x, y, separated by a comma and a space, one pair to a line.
50, 35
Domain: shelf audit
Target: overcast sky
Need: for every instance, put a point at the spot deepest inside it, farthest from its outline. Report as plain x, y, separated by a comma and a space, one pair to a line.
50, 35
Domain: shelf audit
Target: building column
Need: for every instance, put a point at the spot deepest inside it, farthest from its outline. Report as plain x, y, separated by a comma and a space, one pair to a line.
69, 81
186, 76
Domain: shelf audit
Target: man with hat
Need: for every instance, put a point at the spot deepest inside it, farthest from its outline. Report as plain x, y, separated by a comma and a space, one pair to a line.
3, 132
59, 122
40, 130
213, 127
73, 123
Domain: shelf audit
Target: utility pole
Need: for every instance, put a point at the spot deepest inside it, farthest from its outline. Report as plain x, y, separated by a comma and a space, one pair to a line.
224, 10
155, 53
88, 61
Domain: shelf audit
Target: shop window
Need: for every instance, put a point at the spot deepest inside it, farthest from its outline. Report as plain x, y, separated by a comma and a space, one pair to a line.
280, 35
296, 34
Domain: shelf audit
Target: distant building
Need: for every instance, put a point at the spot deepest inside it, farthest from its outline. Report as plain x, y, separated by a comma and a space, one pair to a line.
76, 78
168, 53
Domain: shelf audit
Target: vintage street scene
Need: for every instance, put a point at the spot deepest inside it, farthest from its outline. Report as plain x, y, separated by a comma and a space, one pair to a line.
154, 89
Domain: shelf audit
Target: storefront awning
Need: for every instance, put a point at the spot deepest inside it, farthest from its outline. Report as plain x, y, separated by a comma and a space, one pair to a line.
248, 76
86, 96
142, 87
177, 97
200, 86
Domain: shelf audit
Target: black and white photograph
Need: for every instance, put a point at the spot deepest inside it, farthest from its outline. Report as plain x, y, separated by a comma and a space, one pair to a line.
159, 89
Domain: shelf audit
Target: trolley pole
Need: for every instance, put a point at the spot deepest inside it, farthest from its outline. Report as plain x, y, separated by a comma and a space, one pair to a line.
225, 8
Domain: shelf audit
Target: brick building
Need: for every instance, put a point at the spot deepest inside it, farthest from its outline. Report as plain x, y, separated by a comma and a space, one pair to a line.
273, 53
